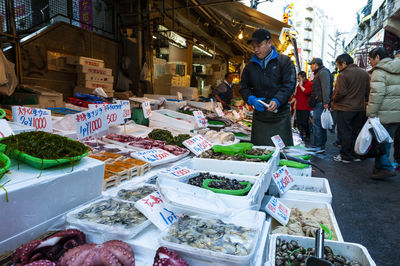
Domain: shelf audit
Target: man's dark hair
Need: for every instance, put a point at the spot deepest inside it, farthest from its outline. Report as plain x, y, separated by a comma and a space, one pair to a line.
344, 58
378, 51
227, 74
302, 74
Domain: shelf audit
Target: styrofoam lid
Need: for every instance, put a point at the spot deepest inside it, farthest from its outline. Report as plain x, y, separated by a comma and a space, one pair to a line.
191, 199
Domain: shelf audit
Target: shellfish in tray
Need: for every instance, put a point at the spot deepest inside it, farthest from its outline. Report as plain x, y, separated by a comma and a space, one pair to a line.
135, 194
214, 235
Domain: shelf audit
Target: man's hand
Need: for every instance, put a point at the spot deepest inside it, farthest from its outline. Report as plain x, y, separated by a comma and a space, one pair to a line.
272, 106
326, 106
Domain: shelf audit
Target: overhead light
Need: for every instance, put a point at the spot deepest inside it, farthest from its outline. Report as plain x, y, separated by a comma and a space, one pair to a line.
154, 37
202, 50
240, 35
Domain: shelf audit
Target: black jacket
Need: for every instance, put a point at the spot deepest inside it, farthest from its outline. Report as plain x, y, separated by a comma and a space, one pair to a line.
277, 80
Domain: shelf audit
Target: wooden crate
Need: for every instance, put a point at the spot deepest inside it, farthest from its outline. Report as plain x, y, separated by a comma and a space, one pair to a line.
110, 180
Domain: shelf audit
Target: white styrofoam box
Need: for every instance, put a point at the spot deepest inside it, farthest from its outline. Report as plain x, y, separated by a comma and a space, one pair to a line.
174, 119
263, 244
306, 206
306, 172
86, 61
18, 128
94, 70
250, 219
169, 187
174, 105
319, 183
209, 106
99, 233
95, 77
36, 196
352, 251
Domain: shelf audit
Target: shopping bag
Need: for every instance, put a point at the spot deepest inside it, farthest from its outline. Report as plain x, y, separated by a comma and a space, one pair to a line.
376, 149
364, 139
326, 119
380, 131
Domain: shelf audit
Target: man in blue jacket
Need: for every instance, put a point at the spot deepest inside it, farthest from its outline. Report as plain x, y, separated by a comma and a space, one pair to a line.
270, 77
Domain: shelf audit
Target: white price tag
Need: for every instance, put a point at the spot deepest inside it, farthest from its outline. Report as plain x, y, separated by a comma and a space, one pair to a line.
278, 210
200, 119
219, 111
146, 109
39, 119
178, 172
154, 155
236, 115
126, 108
5, 129
115, 113
197, 144
283, 179
180, 96
90, 122
152, 206
278, 142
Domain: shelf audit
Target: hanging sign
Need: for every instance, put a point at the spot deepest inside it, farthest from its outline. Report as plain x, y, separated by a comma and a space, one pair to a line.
152, 206
5, 129
278, 142
90, 122
283, 179
278, 210
39, 119
146, 109
115, 113
200, 119
154, 155
178, 172
197, 144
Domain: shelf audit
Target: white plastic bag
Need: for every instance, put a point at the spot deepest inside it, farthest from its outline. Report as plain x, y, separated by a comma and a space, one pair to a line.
380, 131
363, 140
326, 119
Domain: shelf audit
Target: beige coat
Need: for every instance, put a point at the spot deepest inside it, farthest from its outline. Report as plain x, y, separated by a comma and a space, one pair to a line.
384, 97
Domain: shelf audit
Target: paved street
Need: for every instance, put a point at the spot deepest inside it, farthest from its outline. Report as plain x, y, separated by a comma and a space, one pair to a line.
368, 211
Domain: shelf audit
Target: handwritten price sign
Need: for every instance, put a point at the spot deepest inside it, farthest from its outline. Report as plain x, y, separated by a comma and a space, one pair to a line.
39, 119
126, 108
90, 122
152, 206
278, 210
146, 109
200, 119
177, 172
115, 114
197, 144
278, 142
152, 156
283, 179
5, 129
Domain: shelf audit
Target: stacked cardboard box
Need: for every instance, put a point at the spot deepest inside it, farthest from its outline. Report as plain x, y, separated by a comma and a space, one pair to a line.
91, 75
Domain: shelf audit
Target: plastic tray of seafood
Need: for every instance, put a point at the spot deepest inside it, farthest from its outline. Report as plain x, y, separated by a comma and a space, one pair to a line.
343, 253
310, 189
135, 193
110, 218
305, 218
230, 240
305, 172
192, 185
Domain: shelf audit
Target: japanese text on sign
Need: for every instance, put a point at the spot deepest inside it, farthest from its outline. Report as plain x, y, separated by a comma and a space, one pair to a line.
200, 119
146, 109
197, 144
5, 129
278, 142
90, 122
115, 114
278, 210
154, 155
283, 179
126, 108
152, 206
39, 119
177, 171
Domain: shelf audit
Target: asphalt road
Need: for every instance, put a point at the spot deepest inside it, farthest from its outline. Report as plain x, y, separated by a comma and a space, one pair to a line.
367, 211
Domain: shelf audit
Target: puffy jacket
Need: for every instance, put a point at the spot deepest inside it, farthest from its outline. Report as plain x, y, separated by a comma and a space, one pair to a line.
351, 90
384, 97
276, 81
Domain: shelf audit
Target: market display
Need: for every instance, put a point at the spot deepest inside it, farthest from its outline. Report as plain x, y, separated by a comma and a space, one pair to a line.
112, 213
214, 235
49, 249
211, 154
110, 253
164, 256
219, 182
291, 253
135, 194
306, 223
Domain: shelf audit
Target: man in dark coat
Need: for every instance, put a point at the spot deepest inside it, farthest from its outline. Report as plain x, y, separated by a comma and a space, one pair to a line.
224, 92
269, 77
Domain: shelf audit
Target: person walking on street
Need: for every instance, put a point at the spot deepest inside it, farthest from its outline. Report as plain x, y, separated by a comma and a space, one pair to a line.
269, 77
349, 101
303, 91
224, 92
320, 99
384, 102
